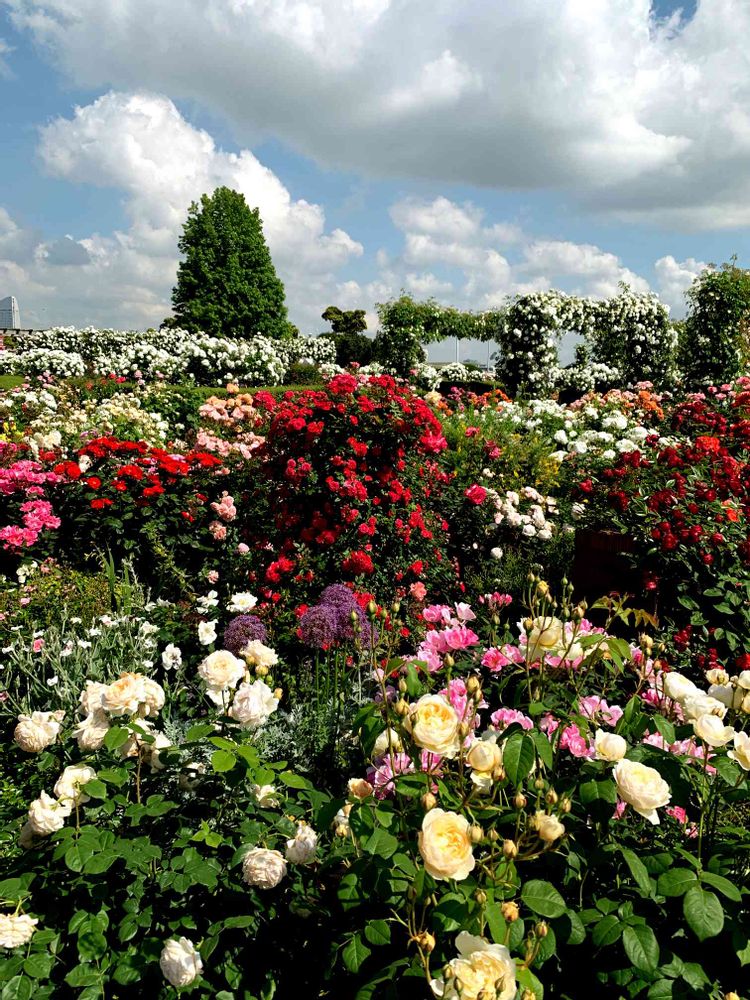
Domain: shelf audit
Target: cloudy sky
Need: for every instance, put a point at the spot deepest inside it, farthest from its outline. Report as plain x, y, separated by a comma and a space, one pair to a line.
461, 149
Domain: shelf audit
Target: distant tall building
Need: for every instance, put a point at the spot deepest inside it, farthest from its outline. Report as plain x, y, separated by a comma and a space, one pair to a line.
10, 317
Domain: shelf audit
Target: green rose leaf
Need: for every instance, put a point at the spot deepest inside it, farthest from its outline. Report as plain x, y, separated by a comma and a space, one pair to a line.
518, 756
676, 881
222, 760
355, 953
641, 947
543, 898
378, 932
722, 885
18, 988
637, 870
115, 737
382, 843
607, 931
703, 912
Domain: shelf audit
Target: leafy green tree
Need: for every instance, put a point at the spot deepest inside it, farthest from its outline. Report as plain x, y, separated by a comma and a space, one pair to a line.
346, 332
226, 283
715, 340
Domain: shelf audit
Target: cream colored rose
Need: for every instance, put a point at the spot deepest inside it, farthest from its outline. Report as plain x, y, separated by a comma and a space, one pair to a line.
180, 962
434, 725
484, 756
90, 732
263, 868
483, 971
153, 703
266, 796
547, 636
677, 686
717, 676
16, 929
389, 737
712, 730
609, 746
741, 752
727, 694
359, 788
253, 704
221, 672
125, 695
699, 704
39, 730
301, 850
257, 654
642, 787
445, 845
743, 680
69, 786
90, 698
549, 828
47, 815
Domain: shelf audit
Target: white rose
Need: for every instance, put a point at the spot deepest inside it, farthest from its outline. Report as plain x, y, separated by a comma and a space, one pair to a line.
207, 633
221, 671
434, 725
180, 962
125, 695
154, 700
253, 704
257, 654
445, 845
263, 868
484, 756
389, 737
717, 676
266, 796
743, 680
68, 787
699, 704
90, 732
171, 658
712, 730
90, 698
39, 730
16, 929
242, 603
47, 815
609, 746
741, 752
677, 686
641, 787
549, 828
483, 970
301, 850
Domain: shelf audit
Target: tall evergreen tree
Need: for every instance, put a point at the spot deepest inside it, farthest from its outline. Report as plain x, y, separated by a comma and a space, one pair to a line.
226, 283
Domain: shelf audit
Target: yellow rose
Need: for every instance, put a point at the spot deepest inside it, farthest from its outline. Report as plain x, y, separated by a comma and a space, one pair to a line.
741, 752
445, 845
483, 970
609, 746
484, 756
641, 787
434, 725
549, 828
712, 730
547, 635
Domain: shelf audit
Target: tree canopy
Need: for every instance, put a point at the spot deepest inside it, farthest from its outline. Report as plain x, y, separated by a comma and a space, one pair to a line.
226, 283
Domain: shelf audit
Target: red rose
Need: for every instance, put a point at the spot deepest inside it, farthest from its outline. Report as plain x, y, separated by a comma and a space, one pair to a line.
476, 494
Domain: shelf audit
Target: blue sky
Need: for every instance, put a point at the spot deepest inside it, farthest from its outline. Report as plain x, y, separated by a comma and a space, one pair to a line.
468, 150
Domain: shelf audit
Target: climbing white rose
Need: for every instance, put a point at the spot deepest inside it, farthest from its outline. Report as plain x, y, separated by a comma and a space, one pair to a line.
69, 786
47, 815
253, 704
16, 929
263, 868
180, 962
39, 730
301, 850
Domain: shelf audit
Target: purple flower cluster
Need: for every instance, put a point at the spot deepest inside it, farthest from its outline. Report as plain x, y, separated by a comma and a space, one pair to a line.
331, 621
242, 630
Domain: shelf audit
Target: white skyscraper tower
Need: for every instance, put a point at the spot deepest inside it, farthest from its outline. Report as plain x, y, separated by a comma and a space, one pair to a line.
10, 317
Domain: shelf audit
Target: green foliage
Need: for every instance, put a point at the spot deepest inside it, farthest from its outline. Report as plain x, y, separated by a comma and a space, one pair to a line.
299, 373
226, 283
715, 340
344, 322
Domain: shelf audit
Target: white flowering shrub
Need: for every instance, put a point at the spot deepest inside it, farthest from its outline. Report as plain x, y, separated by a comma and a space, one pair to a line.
170, 355
632, 333
317, 351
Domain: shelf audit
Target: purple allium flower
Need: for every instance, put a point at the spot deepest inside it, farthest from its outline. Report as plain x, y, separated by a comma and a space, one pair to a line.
338, 596
242, 630
318, 626
366, 633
